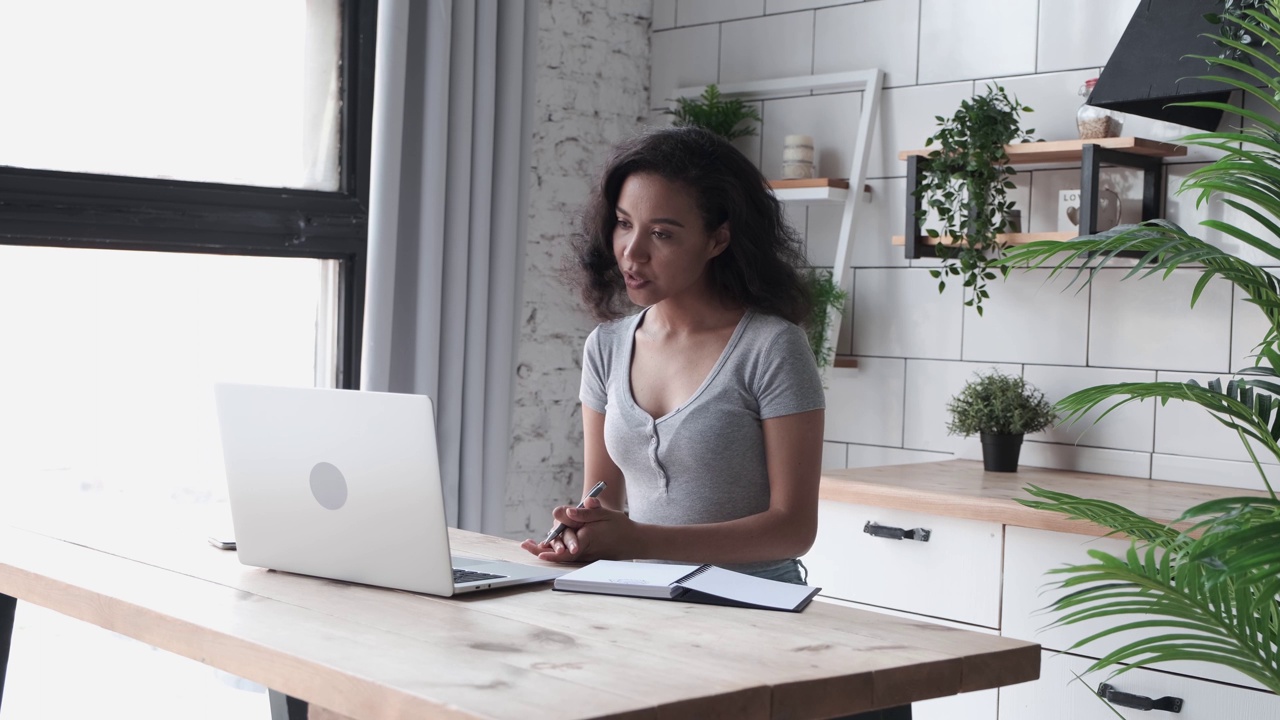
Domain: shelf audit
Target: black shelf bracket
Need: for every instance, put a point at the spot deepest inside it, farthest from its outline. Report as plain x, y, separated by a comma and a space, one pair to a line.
1091, 161
915, 248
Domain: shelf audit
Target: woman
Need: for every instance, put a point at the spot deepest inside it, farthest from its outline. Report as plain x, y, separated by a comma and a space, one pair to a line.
703, 412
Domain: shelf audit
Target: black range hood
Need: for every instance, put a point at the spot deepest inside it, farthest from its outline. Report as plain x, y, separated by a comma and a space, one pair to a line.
1149, 69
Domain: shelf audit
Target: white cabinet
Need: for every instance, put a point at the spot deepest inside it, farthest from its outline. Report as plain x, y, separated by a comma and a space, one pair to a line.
1028, 590
1058, 695
954, 574
982, 573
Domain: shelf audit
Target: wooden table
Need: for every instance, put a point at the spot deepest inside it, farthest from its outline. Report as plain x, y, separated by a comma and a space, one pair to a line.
368, 653
962, 489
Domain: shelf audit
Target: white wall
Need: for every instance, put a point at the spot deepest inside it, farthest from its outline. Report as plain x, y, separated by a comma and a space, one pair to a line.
917, 347
593, 64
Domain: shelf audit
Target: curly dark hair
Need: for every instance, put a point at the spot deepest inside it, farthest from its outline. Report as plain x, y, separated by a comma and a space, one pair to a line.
760, 268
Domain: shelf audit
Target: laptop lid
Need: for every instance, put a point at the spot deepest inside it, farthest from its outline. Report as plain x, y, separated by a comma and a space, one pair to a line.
342, 484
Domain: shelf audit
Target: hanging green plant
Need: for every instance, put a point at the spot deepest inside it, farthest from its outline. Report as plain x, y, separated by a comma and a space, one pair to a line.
966, 182
828, 297
713, 112
1231, 28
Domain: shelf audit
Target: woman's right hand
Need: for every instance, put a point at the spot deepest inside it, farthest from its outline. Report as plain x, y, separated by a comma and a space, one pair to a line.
565, 546
591, 532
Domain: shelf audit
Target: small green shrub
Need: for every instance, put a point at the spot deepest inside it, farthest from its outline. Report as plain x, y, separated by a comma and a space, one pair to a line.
712, 112
999, 404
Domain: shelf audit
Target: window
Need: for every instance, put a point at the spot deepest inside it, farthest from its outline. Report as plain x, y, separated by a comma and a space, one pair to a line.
167, 219
238, 91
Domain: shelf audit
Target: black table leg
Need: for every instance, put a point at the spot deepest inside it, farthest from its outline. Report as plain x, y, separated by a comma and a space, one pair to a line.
7, 607
285, 707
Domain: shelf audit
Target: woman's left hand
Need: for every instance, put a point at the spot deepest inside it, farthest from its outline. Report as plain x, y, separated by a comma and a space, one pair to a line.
595, 533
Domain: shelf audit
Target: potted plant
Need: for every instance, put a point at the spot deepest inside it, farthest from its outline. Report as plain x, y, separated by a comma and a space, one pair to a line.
1001, 409
1211, 589
827, 296
966, 181
712, 112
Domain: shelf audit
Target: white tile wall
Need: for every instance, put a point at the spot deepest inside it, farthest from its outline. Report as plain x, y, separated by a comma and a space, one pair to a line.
907, 120
1180, 208
664, 14
900, 313
1042, 215
750, 144
875, 456
1131, 427
864, 405
1185, 428
1052, 98
1248, 326
930, 386
879, 219
834, 455
1146, 322
781, 6
854, 37
687, 57
1086, 459
1203, 471
797, 215
830, 119
774, 46
1045, 185
948, 29
910, 339
1137, 126
1029, 299
1080, 33
844, 344
696, 12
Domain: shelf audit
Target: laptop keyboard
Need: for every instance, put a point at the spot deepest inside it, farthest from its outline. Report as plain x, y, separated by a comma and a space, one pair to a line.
466, 576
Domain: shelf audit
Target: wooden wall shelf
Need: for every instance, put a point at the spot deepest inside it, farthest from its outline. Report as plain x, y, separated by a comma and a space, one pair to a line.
1134, 152
844, 361
1006, 238
1071, 151
813, 190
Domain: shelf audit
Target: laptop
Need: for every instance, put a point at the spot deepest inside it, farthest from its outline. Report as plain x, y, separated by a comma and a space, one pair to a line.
345, 484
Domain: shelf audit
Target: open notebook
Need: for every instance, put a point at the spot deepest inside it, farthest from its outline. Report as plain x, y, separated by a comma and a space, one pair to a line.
690, 583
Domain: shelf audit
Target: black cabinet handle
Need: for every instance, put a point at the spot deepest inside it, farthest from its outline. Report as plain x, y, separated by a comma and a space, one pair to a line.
1139, 702
894, 533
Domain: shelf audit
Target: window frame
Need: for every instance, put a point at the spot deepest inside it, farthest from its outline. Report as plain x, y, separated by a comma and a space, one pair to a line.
85, 210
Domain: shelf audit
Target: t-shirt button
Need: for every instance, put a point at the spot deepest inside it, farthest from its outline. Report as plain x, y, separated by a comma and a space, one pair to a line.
653, 441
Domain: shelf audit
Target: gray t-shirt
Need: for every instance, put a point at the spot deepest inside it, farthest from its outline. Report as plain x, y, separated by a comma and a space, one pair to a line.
704, 461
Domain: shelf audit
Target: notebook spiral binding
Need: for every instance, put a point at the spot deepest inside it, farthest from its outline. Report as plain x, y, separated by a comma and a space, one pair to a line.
692, 575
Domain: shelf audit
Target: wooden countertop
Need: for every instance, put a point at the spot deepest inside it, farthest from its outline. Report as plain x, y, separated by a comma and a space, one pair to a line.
962, 489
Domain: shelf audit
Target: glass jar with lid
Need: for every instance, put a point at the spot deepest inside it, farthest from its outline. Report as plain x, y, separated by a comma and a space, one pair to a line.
1095, 122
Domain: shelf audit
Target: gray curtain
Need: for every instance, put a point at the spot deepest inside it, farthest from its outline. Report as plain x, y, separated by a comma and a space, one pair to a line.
452, 119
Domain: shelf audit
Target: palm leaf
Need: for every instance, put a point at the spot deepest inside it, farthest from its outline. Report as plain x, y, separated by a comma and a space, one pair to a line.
1163, 599
1211, 591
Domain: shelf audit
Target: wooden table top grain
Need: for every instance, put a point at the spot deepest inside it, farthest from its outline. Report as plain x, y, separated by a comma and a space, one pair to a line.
962, 489
368, 653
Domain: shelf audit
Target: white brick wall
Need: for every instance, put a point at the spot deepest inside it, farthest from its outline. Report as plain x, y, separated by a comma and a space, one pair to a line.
917, 346
592, 86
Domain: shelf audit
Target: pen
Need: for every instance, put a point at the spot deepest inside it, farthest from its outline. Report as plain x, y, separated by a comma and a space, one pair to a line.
559, 528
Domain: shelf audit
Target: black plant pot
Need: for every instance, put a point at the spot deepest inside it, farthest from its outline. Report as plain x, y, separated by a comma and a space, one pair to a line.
1000, 452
